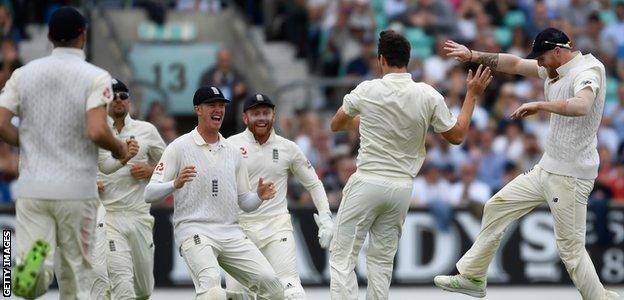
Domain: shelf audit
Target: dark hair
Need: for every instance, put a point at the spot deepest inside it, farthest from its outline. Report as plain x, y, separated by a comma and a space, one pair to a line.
394, 48
75, 43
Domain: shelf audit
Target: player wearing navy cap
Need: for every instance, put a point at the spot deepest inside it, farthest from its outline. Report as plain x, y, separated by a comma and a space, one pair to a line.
270, 156
210, 183
574, 87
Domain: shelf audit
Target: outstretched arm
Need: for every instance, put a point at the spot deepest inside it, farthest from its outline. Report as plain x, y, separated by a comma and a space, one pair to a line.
502, 62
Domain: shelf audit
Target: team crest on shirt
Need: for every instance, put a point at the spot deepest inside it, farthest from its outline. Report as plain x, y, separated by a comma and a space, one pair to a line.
275, 155
107, 93
243, 152
309, 164
159, 168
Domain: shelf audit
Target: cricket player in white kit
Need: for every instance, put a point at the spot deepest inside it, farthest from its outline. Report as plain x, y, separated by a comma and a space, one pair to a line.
574, 87
209, 183
129, 246
270, 156
61, 101
393, 115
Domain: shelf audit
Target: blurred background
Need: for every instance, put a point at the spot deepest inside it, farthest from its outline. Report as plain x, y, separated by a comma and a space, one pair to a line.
306, 55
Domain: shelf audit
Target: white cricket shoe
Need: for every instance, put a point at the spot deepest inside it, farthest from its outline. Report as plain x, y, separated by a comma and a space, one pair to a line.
461, 284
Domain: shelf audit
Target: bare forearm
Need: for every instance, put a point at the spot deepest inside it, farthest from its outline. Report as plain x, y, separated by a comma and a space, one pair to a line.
506, 63
567, 108
109, 142
465, 114
345, 124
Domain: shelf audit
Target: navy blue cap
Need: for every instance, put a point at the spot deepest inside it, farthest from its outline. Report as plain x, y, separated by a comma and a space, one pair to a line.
206, 94
257, 100
66, 24
119, 86
548, 39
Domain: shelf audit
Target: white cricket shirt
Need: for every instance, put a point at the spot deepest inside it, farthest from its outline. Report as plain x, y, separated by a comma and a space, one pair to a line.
209, 204
571, 144
272, 161
51, 95
395, 114
121, 191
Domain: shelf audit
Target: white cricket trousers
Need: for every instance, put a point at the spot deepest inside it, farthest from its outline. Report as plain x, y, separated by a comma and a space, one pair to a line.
274, 238
371, 205
130, 254
68, 226
567, 198
238, 257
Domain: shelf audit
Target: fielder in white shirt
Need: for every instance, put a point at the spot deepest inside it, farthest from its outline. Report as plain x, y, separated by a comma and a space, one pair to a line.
209, 182
61, 102
393, 115
270, 156
127, 236
574, 87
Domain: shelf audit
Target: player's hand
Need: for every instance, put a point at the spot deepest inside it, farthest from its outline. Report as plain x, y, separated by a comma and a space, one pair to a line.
265, 189
186, 175
525, 110
133, 148
481, 79
141, 171
457, 51
100, 186
326, 228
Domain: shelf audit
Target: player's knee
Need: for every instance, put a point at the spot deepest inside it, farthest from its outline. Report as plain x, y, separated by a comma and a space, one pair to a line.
215, 293
270, 287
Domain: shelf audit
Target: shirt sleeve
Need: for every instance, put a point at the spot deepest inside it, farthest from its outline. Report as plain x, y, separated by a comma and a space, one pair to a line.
168, 167
442, 120
352, 102
106, 163
157, 146
303, 170
588, 78
101, 91
242, 177
9, 97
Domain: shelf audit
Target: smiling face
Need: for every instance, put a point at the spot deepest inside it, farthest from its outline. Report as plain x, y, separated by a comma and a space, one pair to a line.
259, 120
210, 115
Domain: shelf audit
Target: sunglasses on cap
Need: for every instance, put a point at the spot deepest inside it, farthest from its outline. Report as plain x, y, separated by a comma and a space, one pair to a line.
121, 96
566, 45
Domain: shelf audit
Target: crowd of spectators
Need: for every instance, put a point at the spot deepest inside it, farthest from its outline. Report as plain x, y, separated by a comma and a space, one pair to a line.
338, 39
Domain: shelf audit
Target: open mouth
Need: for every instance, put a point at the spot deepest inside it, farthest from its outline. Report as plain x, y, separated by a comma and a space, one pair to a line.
262, 125
215, 118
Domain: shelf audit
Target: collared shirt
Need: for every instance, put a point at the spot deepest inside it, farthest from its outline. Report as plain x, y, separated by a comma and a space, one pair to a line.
209, 204
272, 161
122, 192
395, 114
51, 96
571, 144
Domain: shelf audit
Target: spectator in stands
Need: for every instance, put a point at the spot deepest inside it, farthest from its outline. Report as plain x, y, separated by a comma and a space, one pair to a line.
469, 192
155, 113
432, 190
168, 129
591, 42
598, 203
538, 19
437, 66
616, 182
612, 36
434, 16
615, 117
7, 28
225, 77
510, 143
359, 66
531, 152
334, 181
442, 152
491, 163
10, 60
606, 168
